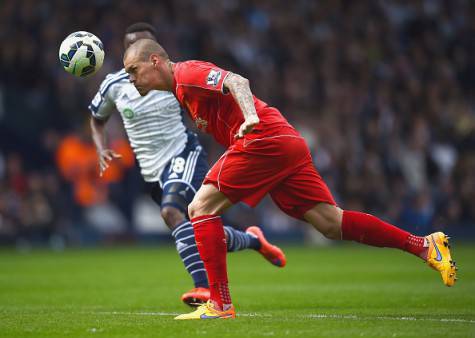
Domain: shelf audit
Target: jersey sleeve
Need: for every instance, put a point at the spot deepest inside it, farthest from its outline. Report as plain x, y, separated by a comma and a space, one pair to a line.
203, 75
103, 104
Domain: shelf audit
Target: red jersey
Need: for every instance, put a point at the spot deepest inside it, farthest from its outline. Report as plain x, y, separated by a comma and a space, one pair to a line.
198, 86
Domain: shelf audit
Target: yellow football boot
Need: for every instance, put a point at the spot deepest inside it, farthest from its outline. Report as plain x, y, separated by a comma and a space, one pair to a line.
207, 311
438, 257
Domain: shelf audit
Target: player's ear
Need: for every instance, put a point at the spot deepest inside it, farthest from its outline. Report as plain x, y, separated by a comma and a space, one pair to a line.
155, 59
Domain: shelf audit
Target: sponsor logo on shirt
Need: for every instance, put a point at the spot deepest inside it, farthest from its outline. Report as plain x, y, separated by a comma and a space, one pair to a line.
213, 77
128, 113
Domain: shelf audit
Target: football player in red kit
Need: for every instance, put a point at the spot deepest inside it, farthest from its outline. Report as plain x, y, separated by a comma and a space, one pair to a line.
265, 154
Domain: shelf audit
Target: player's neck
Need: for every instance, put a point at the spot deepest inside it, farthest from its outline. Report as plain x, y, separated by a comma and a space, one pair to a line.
168, 78
171, 66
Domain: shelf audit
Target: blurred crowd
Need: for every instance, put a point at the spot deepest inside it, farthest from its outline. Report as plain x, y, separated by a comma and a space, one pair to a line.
383, 91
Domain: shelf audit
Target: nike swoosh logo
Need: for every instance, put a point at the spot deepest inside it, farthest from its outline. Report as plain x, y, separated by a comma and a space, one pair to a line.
439, 255
203, 316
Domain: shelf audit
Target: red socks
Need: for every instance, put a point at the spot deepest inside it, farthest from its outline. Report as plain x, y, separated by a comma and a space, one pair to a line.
417, 246
356, 226
367, 229
211, 244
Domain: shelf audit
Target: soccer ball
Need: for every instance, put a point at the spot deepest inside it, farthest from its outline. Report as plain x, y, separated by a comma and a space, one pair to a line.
81, 53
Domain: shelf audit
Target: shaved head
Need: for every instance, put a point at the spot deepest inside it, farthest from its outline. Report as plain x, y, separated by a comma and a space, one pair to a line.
144, 48
148, 66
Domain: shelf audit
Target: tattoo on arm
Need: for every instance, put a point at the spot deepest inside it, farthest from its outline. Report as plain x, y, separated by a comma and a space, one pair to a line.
240, 90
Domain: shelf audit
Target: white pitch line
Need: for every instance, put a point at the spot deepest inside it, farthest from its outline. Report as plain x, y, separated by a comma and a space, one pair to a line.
355, 317
122, 313
312, 316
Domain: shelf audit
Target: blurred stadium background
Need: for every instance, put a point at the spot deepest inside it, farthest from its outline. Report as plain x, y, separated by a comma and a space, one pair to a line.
382, 90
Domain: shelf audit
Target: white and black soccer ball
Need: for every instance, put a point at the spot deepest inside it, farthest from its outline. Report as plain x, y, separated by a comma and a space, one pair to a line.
81, 53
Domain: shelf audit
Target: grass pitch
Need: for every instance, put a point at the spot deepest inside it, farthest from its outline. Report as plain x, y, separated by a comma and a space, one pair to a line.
344, 291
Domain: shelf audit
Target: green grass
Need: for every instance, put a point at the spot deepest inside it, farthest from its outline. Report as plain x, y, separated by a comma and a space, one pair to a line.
344, 291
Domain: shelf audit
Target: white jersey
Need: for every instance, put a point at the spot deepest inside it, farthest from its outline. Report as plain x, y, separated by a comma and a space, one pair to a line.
153, 122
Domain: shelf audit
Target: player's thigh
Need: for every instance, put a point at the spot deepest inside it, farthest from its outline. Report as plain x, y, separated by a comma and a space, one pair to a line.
241, 176
189, 167
208, 201
247, 173
185, 173
301, 190
183, 176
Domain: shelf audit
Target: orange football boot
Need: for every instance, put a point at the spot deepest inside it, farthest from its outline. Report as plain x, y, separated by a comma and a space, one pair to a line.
196, 296
270, 252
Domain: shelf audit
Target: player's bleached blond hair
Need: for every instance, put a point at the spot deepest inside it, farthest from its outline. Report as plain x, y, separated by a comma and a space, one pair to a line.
143, 48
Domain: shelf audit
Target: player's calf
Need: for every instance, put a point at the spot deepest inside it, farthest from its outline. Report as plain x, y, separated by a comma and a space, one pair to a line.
172, 217
370, 230
186, 247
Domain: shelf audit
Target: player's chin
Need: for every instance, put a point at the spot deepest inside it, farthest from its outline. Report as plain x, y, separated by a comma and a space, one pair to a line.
142, 91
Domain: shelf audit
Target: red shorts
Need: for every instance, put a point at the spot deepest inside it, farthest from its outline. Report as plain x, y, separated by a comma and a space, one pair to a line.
279, 164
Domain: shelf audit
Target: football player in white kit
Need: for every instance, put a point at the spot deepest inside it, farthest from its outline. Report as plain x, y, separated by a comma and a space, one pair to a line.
172, 161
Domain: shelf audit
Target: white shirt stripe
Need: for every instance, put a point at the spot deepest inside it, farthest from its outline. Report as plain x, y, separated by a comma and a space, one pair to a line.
189, 178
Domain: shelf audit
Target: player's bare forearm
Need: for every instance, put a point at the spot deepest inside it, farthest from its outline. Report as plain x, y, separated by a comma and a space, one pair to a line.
239, 88
98, 133
99, 137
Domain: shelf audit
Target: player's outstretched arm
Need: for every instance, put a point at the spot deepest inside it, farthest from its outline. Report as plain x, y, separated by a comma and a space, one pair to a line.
99, 137
239, 88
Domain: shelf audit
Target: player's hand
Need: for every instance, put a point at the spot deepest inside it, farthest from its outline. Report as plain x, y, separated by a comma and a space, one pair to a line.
247, 126
105, 156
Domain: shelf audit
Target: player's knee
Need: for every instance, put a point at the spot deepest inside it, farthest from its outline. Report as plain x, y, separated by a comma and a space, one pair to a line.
200, 207
326, 218
195, 208
332, 233
172, 216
